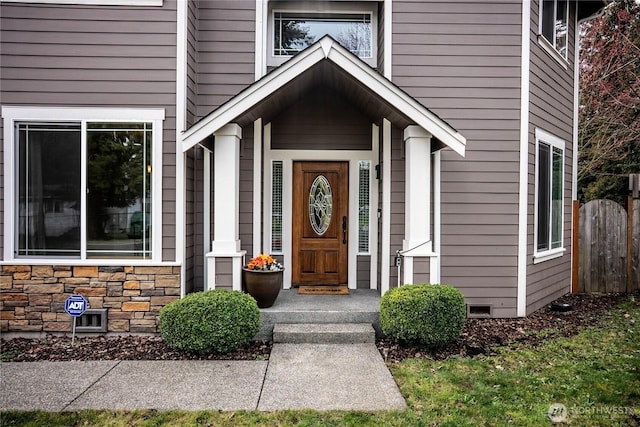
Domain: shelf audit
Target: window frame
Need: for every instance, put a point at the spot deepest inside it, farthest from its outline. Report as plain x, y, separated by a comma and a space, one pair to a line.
13, 115
365, 182
553, 142
366, 7
550, 46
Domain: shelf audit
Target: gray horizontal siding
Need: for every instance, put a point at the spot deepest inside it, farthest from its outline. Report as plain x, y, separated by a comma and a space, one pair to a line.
95, 56
462, 61
321, 120
551, 107
226, 51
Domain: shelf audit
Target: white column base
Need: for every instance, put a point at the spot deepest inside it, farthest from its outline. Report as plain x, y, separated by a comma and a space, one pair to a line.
237, 259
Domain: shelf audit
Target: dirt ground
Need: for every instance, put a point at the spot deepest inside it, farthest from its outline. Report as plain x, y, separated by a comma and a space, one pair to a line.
479, 336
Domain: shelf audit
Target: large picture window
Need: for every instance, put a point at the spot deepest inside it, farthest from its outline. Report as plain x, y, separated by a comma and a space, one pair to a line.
554, 24
550, 190
82, 189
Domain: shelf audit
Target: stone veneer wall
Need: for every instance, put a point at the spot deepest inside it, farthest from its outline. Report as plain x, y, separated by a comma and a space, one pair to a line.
32, 297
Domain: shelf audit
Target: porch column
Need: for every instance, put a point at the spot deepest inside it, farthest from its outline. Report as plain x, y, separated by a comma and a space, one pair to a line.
226, 202
417, 242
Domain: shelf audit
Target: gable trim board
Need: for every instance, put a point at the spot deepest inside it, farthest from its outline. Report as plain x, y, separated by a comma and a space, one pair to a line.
325, 49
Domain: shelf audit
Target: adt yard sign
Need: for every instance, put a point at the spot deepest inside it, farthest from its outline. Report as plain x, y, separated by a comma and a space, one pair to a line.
75, 305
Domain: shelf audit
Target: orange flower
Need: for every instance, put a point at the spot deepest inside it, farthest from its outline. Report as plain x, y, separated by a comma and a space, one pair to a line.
264, 262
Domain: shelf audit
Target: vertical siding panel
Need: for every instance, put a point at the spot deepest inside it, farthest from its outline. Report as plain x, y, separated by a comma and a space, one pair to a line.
462, 61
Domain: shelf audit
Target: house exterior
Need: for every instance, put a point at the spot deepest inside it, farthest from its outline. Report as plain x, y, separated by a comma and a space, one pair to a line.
150, 146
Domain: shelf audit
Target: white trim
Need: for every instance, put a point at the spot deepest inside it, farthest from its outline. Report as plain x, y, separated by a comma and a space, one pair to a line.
182, 22
385, 252
288, 157
552, 51
260, 63
388, 34
154, 3
524, 160
553, 142
257, 193
436, 262
206, 208
550, 139
373, 208
547, 255
326, 48
13, 114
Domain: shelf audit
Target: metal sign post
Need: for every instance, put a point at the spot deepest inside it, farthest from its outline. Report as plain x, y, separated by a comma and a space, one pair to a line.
75, 306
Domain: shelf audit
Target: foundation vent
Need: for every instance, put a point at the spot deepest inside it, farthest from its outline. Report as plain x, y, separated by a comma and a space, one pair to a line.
92, 320
479, 311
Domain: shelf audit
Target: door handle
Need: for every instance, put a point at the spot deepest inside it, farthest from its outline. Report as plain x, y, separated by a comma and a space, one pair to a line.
344, 230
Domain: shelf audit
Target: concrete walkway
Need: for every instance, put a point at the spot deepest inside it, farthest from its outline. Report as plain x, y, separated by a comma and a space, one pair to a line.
297, 376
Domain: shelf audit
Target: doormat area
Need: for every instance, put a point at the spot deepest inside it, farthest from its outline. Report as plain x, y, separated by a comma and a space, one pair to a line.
323, 290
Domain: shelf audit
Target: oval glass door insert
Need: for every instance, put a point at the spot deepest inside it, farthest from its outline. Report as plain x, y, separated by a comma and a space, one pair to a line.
320, 204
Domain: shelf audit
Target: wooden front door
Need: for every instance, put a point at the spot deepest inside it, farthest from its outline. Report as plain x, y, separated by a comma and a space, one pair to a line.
320, 223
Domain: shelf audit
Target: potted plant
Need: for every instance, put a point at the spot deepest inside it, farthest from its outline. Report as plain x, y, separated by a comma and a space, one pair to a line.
262, 278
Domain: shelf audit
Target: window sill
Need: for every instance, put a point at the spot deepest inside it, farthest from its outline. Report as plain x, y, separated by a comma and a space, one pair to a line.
89, 262
552, 51
154, 3
548, 255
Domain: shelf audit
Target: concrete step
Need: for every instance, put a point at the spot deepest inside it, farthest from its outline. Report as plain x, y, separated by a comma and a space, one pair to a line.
324, 333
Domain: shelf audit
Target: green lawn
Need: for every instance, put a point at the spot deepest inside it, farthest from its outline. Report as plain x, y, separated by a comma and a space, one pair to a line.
595, 375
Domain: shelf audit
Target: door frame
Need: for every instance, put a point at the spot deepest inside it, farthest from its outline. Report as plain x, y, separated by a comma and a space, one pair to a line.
353, 157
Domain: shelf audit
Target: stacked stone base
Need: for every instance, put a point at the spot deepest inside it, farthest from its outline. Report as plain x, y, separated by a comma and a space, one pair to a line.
32, 297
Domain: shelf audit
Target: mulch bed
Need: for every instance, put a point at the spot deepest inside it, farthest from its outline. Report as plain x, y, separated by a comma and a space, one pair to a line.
479, 337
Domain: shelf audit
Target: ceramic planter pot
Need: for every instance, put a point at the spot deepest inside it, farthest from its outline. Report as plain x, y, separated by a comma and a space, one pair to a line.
263, 286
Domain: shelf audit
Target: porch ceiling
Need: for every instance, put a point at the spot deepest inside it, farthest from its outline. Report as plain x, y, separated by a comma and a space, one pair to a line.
327, 75
325, 64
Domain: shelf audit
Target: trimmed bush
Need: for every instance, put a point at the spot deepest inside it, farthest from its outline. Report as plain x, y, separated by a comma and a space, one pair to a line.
427, 315
210, 321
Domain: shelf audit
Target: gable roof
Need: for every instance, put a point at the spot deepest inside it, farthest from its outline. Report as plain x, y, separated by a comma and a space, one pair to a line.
327, 56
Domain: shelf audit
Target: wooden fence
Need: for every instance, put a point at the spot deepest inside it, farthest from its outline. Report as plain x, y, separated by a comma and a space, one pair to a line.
607, 258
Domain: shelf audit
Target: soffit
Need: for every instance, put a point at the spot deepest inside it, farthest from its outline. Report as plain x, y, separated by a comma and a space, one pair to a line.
325, 63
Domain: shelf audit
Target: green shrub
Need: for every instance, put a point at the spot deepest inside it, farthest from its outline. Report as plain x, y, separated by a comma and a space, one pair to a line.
216, 320
427, 315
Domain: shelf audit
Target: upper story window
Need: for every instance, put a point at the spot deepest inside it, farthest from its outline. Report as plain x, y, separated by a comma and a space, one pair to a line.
554, 18
292, 29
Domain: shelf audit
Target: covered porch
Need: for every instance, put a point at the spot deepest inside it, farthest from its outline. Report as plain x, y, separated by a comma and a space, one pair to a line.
324, 66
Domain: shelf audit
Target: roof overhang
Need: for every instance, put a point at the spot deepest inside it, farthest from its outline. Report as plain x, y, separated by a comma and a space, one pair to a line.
591, 9
325, 62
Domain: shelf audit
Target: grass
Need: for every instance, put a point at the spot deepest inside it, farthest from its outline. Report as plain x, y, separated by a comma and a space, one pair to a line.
595, 375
